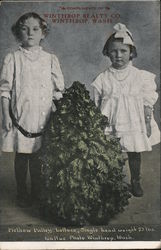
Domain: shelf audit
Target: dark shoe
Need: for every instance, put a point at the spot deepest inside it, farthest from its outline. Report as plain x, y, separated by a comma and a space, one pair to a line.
136, 188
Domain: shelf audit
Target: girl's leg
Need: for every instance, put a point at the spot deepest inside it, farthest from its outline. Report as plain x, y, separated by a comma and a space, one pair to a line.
35, 173
135, 168
21, 167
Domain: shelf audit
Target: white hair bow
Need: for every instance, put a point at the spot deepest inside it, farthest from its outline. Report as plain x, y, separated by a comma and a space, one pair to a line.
123, 32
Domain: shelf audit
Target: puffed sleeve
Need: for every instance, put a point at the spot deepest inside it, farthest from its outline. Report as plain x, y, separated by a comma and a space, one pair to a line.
97, 83
149, 93
6, 76
97, 89
57, 78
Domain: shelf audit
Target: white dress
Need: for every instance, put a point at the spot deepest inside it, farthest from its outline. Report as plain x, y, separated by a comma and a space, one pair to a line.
121, 96
29, 79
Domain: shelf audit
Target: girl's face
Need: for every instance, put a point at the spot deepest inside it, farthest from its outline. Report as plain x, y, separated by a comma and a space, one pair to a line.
31, 33
119, 54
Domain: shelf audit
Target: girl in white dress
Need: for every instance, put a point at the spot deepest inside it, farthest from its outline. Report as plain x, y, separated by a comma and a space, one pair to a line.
126, 95
30, 80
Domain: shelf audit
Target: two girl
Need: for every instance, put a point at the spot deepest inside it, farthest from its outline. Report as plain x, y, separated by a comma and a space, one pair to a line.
126, 95
30, 80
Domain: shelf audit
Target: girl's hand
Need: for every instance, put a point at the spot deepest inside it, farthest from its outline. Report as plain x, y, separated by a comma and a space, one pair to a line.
148, 129
7, 123
148, 114
53, 107
57, 95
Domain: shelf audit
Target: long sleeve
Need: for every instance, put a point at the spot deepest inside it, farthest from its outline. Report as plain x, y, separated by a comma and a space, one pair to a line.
6, 77
149, 93
57, 78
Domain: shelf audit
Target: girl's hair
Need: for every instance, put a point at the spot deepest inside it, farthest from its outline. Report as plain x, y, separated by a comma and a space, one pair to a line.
16, 27
111, 39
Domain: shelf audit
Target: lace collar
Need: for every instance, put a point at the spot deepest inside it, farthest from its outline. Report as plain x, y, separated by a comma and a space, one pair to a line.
32, 55
121, 74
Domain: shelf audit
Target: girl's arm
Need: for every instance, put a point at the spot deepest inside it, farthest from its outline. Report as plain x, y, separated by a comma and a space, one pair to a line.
148, 114
97, 86
6, 81
97, 98
57, 78
7, 122
150, 97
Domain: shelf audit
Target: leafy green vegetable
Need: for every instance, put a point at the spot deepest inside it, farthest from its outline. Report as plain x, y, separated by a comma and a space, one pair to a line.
82, 175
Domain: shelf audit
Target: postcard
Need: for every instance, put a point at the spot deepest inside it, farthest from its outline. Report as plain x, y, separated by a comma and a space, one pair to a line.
80, 125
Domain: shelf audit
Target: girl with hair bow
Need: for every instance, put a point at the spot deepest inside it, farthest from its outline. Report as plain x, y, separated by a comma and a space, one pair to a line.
126, 95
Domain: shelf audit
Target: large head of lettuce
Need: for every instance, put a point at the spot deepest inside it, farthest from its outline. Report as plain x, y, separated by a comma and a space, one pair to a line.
82, 168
